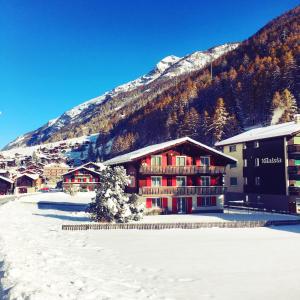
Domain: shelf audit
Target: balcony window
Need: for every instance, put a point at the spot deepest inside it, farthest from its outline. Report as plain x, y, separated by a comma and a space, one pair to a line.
232, 148
156, 160
245, 162
205, 161
205, 180
156, 202
181, 181
256, 162
180, 161
155, 181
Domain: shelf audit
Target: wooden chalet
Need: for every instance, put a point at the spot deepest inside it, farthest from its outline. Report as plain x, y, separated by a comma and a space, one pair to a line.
179, 176
6, 185
83, 178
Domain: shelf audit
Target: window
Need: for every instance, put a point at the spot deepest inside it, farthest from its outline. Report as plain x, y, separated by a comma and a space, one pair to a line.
256, 162
256, 144
245, 162
206, 201
156, 160
132, 181
233, 180
205, 160
181, 181
233, 165
156, 202
257, 180
155, 181
245, 180
205, 180
180, 160
232, 148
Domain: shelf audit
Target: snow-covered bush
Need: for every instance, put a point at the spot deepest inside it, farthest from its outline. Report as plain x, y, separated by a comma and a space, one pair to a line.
111, 204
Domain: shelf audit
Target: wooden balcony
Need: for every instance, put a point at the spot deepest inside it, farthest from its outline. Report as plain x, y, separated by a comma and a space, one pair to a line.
182, 190
182, 170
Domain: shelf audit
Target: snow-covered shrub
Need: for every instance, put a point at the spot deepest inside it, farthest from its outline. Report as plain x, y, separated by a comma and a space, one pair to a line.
111, 204
136, 206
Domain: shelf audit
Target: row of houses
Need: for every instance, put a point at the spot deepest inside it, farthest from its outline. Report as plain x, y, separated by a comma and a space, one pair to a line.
259, 168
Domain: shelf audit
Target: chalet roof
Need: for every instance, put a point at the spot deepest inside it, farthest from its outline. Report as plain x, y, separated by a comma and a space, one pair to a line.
82, 167
260, 133
32, 176
6, 179
157, 147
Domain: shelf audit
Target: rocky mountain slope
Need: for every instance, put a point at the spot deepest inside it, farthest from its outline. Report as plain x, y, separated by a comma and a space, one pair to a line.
81, 117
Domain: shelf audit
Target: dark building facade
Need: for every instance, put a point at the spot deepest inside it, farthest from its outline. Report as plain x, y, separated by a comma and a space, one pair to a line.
270, 174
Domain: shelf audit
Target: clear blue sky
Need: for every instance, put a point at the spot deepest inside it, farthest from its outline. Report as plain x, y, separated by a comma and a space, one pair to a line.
57, 54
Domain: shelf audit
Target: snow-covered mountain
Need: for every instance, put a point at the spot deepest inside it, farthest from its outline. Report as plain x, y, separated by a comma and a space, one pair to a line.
130, 93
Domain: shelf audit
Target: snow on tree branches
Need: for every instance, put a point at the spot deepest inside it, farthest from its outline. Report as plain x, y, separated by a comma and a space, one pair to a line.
111, 203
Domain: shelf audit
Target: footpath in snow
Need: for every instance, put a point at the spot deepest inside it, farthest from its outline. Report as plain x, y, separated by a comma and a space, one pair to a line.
44, 262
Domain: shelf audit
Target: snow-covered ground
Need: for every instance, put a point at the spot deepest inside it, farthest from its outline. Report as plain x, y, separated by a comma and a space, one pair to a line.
44, 262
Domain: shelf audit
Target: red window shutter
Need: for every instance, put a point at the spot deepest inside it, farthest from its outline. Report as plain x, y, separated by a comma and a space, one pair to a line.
148, 161
199, 201
164, 160
174, 205
84, 179
213, 181
213, 201
164, 181
73, 180
91, 179
66, 179
76, 172
189, 181
174, 183
189, 161
165, 202
148, 203
189, 205
198, 163
173, 160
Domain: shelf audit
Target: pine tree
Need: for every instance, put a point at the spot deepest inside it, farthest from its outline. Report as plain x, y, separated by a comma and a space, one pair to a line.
190, 124
111, 203
290, 105
219, 120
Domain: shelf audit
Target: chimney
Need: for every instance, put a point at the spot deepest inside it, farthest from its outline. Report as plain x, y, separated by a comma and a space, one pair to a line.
297, 118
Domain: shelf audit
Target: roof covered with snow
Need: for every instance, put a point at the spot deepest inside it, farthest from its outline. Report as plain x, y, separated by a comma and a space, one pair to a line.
283, 129
6, 179
154, 148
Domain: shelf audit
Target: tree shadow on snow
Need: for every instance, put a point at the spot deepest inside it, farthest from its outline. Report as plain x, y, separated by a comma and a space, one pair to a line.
288, 228
62, 206
64, 217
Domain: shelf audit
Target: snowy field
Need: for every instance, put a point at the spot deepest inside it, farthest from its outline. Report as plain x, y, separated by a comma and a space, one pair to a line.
44, 262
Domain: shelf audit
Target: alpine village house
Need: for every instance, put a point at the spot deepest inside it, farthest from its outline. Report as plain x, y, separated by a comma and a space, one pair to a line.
178, 176
267, 174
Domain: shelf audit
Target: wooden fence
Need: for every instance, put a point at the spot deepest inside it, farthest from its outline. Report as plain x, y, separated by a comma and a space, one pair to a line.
193, 225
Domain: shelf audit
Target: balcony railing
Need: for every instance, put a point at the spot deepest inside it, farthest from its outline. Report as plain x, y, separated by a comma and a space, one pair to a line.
294, 190
183, 190
182, 170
